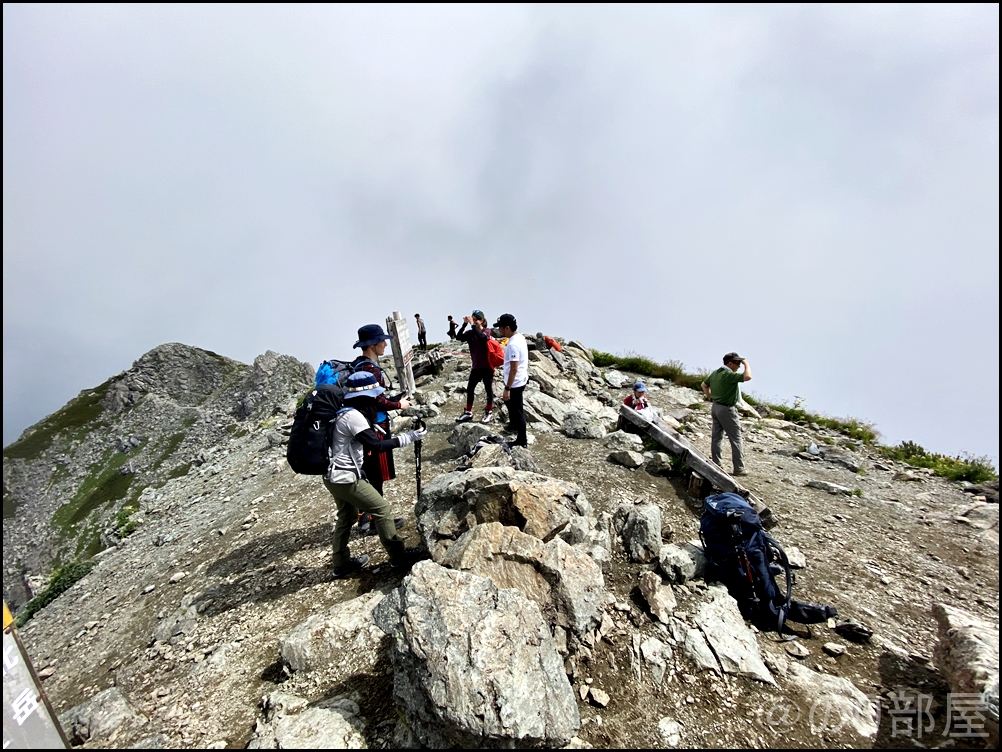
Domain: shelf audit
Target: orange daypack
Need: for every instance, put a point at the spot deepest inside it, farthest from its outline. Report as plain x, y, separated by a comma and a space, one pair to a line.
495, 353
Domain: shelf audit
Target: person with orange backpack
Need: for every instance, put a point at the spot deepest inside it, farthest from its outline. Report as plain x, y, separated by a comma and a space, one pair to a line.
477, 337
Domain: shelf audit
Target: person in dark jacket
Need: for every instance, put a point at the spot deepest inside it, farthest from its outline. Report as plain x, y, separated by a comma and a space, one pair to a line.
355, 434
422, 332
476, 337
452, 328
378, 465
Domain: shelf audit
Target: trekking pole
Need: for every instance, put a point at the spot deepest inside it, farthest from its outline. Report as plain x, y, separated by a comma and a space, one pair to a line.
418, 425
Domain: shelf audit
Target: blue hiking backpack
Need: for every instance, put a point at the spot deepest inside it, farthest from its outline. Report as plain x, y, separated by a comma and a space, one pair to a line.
313, 425
332, 372
747, 560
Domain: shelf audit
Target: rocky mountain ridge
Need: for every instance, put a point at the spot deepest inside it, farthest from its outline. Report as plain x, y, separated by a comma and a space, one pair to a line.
563, 604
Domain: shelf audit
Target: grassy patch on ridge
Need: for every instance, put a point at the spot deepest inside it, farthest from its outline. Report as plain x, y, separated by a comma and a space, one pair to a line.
964, 467
79, 413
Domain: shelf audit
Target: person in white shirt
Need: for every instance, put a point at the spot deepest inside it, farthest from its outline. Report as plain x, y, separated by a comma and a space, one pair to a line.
516, 375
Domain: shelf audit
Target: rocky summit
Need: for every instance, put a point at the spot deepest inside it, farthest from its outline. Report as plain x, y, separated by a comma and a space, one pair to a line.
174, 582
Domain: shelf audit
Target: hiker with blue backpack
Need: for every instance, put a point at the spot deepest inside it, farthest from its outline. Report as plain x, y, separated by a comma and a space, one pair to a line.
378, 465
356, 434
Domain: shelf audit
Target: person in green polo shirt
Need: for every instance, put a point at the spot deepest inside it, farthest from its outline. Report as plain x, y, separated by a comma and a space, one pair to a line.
721, 387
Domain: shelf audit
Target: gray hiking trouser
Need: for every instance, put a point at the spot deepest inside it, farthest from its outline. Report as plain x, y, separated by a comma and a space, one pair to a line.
725, 420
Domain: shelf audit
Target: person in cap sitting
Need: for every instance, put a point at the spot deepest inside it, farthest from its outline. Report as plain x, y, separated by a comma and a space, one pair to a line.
481, 370
722, 387
637, 399
378, 465
356, 433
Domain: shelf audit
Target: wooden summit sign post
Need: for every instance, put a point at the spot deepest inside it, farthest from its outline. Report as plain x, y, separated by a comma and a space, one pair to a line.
677, 445
403, 353
29, 721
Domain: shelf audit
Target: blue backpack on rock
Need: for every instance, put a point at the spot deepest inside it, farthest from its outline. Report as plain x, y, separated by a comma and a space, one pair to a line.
746, 559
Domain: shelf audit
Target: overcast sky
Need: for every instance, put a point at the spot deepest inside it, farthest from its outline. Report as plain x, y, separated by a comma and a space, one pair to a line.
815, 187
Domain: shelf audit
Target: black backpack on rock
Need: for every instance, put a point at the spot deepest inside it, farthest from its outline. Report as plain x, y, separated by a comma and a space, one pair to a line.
746, 559
313, 428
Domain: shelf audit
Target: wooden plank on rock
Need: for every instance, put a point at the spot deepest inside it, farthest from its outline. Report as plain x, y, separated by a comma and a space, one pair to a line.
679, 446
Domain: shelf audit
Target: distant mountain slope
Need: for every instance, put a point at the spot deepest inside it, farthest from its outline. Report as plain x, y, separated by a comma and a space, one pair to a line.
72, 481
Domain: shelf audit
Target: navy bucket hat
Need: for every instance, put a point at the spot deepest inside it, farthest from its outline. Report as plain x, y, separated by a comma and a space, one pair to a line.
371, 334
362, 384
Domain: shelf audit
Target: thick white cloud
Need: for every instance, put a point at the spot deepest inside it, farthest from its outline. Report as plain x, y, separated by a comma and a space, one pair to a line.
814, 186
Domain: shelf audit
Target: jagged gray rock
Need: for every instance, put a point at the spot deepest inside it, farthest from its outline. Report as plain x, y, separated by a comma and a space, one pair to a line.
659, 464
537, 505
615, 379
968, 656
553, 410
623, 441
628, 459
182, 622
466, 435
681, 563
436, 398
474, 665
522, 459
844, 704
656, 655
698, 651
582, 425
290, 722
660, 597
566, 584
832, 488
732, 641
640, 529
323, 641
96, 719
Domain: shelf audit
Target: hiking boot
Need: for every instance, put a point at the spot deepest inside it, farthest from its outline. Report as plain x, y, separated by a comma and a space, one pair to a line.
408, 559
466, 417
350, 567
739, 473
488, 417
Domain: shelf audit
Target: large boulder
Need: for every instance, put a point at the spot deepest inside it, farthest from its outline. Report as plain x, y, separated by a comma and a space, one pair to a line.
552, 410
342, 641
681, 563
580, 424
95, 720
475, 665
290, 722
681, 395
841, 704
490, 455
175, 628
566, 583
732, 641
640, 529
615, 379
660, 597
623, 441
968, 656
466, 435
537, 505
626, 458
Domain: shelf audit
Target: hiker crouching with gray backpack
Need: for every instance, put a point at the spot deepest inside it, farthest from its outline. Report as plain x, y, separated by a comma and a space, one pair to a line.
356, 432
